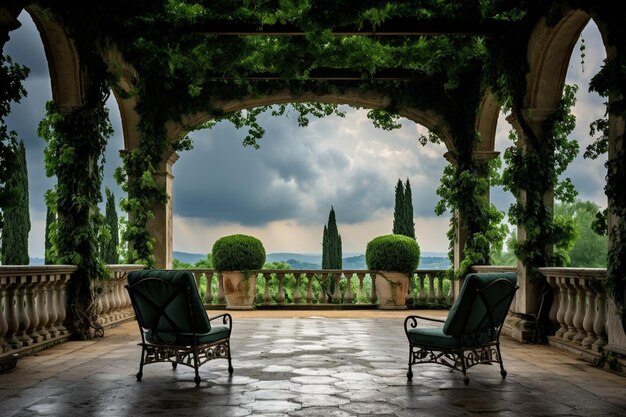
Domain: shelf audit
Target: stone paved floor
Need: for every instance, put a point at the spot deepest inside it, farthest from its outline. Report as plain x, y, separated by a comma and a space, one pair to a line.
305, 366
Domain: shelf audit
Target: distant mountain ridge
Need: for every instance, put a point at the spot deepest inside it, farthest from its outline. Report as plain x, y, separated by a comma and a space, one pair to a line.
428, 260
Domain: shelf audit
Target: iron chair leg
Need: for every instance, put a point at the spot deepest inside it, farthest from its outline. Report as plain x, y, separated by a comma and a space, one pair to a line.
230, 365
502, 370
197, 378
466, 378
140, 373
409, 374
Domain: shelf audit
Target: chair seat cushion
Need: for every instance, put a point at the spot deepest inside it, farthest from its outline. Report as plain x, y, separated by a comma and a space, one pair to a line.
186, 339
434, 337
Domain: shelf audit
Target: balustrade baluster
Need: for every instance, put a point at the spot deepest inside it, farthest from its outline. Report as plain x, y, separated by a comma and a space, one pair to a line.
590, 316
99, 309
13, 323
373, 296
41, 307
336, 296
323, 296
581, 308
267, 297
53, 310
106, 303
348, 296
421, 295
430, 296
563, 298
221, 298
571, 309
4, 327
439, 295
361, 295
280, 295
309, 289
22, 314
117, 302
554, 307
208, 294
31, 308
599, 324
297, 296
61, 297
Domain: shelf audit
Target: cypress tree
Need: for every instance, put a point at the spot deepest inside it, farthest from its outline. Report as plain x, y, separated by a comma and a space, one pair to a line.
325, 248
334, 242
331, 249
398, 210
408, 223
17, 218
108, 249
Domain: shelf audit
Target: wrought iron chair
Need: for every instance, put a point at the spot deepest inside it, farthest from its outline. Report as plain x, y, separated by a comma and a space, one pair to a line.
172, 321
471, 332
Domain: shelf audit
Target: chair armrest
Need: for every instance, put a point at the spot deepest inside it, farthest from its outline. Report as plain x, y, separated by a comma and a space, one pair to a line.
226, 319
412, 321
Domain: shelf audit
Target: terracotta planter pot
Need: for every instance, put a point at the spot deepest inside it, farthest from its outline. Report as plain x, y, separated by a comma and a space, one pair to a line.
239, 290
391, 289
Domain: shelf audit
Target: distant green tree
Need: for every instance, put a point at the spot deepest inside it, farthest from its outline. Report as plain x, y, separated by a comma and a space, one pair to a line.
277, 265
16, 217
589, 249
206, 263
109, 245
178, 264
325, 251
403, 223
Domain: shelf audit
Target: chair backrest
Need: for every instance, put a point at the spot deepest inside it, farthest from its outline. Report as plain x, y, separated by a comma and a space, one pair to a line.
167, 301
482, 305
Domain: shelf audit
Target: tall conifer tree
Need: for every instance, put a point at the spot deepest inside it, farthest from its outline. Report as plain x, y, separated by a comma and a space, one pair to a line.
108, 250
17, 218
398, 210
331, 249
409, 224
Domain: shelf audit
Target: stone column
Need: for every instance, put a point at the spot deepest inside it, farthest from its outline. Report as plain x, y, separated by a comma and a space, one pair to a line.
526, 303
161, 227
462, 234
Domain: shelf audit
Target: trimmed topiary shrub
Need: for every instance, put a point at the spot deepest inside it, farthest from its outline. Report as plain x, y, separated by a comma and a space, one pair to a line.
392, 253
238, 253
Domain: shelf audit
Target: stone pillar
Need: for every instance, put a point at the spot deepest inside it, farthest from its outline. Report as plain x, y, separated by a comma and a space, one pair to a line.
462, 234
521, 322
616, 320
161, 227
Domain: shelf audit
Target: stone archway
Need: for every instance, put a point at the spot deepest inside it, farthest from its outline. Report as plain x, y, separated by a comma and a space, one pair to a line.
549, 51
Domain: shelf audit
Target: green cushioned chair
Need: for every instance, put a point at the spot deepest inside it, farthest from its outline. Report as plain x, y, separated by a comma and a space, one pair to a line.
471, 333
172, 321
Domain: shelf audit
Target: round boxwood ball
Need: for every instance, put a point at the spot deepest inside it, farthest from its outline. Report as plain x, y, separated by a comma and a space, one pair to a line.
238, 253
392, 253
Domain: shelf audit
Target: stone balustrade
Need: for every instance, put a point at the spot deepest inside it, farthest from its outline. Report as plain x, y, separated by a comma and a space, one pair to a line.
113, 303
310, 288
33, 305
579, 309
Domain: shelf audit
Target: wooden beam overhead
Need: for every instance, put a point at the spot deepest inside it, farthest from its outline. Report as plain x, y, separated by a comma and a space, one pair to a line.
394, 27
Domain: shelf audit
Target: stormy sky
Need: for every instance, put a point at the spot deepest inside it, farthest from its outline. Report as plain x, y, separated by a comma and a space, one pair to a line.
282, 192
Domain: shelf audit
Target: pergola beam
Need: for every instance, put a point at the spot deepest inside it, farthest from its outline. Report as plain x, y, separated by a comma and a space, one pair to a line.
392, 27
